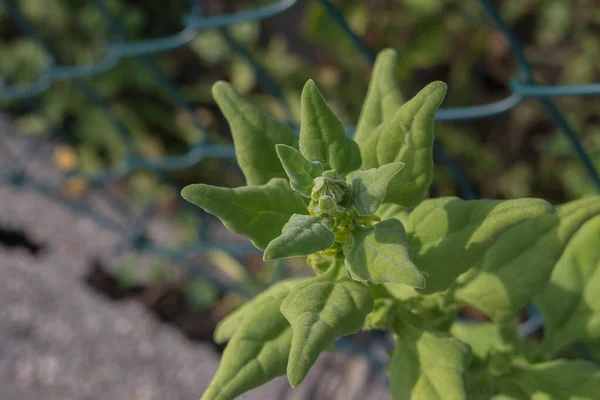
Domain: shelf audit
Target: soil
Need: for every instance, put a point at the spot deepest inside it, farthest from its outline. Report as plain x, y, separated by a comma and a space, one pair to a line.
167, 302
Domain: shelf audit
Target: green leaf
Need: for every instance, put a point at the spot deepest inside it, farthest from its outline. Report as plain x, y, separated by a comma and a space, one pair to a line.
519, 264
255, 135
383, 97
369, 187
552, 380
259, 347
301, 235
319, 311
231, 323
200, 294
486, 338
228, 325
428, 365
571, 302
381, 253
450, 235
322, 135
300, 171
390, 210
257, 212
593, 348
381, 316
408, 138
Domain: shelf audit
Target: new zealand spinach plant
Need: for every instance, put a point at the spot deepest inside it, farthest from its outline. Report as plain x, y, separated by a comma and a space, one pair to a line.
385, 255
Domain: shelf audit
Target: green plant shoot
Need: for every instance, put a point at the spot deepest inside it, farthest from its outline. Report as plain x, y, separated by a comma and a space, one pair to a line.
385, 255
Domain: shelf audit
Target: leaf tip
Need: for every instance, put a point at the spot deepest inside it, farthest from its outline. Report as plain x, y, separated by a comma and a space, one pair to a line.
270, 252
420, 282
283, 148
387, 53
310, 84
436, 88
190, 192
295, 378
309, 91
220, 87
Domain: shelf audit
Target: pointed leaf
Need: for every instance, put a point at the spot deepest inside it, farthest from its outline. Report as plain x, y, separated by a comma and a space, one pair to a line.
383, 97
301, 236
228, 325
257, 212
408, 138
323, 137
381, 253
428, 365
255, 135
369, 187
320, 311
300, 171
231, 323
552, 380
520, 262
258, 350
571, 302
450, 235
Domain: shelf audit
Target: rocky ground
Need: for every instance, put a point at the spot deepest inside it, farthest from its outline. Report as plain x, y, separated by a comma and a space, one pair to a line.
59, 339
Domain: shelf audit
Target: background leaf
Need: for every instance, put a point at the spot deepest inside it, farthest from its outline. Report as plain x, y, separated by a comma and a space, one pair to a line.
571, 302
553, 380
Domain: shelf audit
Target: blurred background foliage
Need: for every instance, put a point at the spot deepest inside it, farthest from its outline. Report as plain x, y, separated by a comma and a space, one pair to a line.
515, 155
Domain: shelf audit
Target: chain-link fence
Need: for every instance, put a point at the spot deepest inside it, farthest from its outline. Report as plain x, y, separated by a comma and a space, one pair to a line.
196, 21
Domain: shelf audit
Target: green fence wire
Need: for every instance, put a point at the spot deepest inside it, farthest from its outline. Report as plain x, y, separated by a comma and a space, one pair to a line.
523, 86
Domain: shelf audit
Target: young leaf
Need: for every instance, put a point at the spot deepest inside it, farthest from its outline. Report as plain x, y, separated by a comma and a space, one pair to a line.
383, 97
428, 365
381, 253
255, 135
381, 316
322, 135
300, 171
319, 311
408, 138
450, 235
257, 212
571, 302
369, 187
301, 235
519, 264
560, 379
259, 348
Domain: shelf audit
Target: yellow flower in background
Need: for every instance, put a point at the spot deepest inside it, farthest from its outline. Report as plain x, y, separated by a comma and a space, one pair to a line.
65, 158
